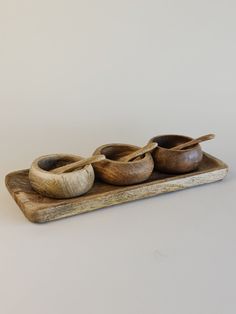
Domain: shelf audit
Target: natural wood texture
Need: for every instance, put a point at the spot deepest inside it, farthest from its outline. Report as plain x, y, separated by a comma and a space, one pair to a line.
139, 152
64, 185
113, 171
175, 161
38, 208
194, 142
78, 164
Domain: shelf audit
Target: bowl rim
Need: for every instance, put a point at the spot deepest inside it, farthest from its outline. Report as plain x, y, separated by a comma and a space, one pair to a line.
36, 167
196, 146
98, 151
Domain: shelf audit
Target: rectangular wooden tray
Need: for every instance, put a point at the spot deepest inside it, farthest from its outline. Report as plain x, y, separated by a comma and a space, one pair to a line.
41, 209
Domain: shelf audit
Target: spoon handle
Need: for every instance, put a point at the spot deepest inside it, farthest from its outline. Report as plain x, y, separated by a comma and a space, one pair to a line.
195, 141
78, 164
146, 149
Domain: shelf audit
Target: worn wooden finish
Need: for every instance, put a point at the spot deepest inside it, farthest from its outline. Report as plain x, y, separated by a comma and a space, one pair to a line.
113, 171
64, 185
194, 142
78, 164
38, 208
175, 161
138, 153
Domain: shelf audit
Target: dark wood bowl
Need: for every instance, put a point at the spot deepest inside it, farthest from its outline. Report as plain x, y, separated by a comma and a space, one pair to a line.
175, 161
117, 172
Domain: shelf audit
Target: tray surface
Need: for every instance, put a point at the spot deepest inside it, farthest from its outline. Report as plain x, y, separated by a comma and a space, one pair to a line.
38, 208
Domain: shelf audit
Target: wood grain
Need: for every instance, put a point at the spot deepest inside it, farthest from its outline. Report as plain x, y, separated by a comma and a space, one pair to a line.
113, 171
62, 185
172, 161
40, 209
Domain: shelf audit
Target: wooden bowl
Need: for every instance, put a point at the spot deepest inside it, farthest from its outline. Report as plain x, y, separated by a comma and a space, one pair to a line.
65, 185
175, 161
117, 172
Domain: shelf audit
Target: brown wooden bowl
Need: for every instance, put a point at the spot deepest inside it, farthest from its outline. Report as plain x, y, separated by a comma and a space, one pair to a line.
117, 172
175, 161
64, 185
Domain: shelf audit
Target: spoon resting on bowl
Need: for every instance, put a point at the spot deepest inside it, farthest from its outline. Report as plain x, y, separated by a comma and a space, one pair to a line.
194, 142
78, 164
146, 149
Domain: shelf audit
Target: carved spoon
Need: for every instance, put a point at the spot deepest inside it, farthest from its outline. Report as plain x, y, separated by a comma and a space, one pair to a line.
78, 164
139, 152
194, 142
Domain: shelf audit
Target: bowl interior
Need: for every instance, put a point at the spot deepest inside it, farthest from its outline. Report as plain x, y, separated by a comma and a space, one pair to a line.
114, 152
169, 141
50, 163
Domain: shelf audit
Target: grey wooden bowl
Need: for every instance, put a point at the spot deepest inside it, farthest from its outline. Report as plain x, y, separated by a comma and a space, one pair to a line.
65, 185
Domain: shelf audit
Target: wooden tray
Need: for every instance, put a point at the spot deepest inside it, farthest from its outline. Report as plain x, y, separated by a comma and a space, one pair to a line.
41, 209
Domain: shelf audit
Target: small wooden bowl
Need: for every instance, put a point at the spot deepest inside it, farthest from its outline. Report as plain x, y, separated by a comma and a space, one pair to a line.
175, 161
117, 172
65, 185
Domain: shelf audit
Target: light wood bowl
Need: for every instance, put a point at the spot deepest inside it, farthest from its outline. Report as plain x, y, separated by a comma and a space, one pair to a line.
175, 161
117, 172
65, 185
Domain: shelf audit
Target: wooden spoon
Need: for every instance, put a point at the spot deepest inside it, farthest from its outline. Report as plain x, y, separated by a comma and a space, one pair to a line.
78, 164
194, 142
146, 149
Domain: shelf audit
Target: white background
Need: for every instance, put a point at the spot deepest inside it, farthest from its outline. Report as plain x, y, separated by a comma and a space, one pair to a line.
78, 74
